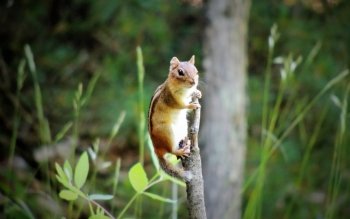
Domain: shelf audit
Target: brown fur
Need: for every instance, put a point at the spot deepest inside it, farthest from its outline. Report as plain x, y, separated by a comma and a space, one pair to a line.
167, 100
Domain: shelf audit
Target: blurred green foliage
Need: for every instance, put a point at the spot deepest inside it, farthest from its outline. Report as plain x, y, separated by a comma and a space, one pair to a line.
72, 41
298, 175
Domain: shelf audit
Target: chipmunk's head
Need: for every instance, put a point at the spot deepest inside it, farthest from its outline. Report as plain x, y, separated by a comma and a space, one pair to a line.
183, 73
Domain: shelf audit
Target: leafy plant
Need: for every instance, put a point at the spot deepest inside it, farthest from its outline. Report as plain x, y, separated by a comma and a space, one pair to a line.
140, 183
73, 183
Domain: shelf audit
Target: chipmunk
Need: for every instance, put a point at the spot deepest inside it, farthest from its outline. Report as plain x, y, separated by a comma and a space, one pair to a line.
167, 117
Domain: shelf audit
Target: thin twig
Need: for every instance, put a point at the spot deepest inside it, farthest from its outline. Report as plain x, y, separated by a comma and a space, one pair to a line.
194, 188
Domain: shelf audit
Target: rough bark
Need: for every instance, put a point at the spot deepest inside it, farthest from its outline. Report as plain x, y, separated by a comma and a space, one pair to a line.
194, 188
223, 135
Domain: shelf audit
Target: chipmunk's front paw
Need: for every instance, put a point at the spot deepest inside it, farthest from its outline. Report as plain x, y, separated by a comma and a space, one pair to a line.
194, 106
183, 152
197, 94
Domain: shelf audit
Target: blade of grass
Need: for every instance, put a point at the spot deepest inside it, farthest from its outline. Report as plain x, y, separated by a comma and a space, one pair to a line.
44, 127
297, 120
337, 161
79, 101
328, 86
306, 159
16, 118
254, 208
44, 131
141, 113
91, 87
267, 81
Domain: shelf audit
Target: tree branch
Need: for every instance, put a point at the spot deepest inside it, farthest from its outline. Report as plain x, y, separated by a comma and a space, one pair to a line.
194, 188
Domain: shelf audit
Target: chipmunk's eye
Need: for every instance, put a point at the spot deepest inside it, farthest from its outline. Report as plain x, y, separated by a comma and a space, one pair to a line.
181, 72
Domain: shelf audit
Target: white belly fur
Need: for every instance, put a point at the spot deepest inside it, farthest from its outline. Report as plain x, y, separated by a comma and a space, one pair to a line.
179, 127
180, 124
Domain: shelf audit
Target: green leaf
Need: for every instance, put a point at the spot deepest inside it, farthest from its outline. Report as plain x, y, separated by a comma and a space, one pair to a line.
68, 195
61, 173
63, 131
62, 181
68, 170
75, 105
117, 125
90, 88
100, 197
30, 58
98, 216
138, 177
159, 198
81, 170
46, 131
21, 74
79, 92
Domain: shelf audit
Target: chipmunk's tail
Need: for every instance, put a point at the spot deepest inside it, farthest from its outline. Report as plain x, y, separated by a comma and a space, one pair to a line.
174, 171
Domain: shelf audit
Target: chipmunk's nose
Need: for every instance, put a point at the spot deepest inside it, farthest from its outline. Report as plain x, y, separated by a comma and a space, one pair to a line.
192, 82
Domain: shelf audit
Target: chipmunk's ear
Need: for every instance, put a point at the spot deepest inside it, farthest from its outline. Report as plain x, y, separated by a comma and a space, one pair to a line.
174, 62
192, 60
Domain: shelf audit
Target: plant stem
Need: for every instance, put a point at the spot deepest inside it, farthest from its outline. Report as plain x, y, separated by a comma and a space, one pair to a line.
174, 194
115, 181
141, 113
127, 206
266, 91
